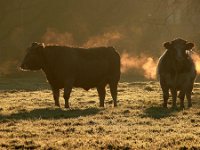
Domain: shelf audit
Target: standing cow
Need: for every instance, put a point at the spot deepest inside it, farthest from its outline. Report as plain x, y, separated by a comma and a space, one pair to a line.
176, 71
67, 67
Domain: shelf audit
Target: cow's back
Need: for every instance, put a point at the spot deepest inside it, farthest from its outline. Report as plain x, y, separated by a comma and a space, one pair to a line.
88, 67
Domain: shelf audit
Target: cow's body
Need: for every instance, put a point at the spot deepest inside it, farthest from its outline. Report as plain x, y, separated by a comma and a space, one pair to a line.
67, 67
177, 73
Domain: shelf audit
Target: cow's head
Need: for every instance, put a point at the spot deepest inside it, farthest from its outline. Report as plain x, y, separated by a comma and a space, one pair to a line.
33, 58
178, 49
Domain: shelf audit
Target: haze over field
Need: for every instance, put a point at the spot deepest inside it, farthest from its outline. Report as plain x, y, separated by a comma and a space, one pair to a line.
135, 28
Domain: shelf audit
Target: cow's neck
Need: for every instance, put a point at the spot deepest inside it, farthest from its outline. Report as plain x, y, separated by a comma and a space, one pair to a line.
46, 68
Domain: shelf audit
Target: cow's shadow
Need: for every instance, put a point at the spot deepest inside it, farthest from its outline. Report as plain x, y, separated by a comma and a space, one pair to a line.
158, 112
49, 113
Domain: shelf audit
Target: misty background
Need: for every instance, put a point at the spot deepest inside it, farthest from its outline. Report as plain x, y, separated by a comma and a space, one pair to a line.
136, 27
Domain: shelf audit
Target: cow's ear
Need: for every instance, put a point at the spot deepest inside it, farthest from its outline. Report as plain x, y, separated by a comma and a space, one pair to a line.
34, 44
37, 45
189, 46
167, 45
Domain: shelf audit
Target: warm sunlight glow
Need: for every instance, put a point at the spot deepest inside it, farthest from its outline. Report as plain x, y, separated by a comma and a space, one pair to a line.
52, 36
196, 59
143, 64
105, 39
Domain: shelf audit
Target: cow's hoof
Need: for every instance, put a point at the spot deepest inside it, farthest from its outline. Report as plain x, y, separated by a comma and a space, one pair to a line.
189, 105
66, 106
174, 107
182, 107
165, 106
57, 105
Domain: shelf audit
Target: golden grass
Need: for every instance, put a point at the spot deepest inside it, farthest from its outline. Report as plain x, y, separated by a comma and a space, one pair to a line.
29, 120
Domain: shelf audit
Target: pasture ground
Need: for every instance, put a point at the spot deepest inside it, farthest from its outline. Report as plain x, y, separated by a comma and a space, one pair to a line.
29, 119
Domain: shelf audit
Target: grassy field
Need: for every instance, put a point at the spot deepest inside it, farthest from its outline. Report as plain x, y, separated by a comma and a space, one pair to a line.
29, 119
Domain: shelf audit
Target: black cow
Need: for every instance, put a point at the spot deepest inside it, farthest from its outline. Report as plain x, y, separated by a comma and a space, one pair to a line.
67, 67
176, 71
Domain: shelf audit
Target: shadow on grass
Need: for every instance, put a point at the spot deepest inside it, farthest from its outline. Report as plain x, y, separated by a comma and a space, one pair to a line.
48, 113
159, 112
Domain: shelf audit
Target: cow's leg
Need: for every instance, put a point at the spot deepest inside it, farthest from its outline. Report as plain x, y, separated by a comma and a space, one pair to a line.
165, 96
56, 94
67, 91
174, 96
113, 91
165, 90
182, 97
102, 92
188, 95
